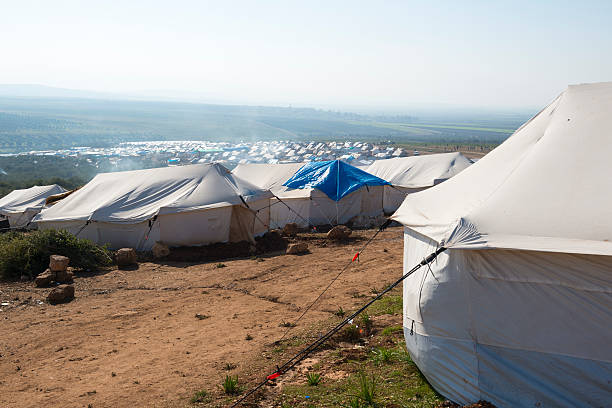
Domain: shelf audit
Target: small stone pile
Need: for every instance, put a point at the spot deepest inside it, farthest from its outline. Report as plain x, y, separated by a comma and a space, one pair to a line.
290, 230
297, 248
339, 233
57, 272
126, 257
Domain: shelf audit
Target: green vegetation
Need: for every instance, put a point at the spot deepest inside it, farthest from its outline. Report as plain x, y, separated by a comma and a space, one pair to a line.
230, 385
382, 355
390, 304
199, 397
369, 383
313, 379
366, 388
27, 253
340, 312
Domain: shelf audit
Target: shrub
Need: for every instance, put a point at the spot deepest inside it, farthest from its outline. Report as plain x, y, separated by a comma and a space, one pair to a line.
350, 334
27, 253
366, 324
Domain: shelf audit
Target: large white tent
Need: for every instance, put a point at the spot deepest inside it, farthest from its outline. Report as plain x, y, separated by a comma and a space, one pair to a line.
309, 205
518, 309
415, 173
179, 206
20, 206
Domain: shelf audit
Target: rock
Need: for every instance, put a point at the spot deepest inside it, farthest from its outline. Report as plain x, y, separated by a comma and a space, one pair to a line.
160, 250
64, 276
297, 248
126, 257
61, 294
290, 230
58, 263
339, 232
44, 279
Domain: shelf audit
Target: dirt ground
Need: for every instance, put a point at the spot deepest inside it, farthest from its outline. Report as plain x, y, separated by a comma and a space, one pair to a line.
155, 335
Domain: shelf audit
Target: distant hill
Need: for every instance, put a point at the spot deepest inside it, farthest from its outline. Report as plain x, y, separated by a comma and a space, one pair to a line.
43, 91
36, 117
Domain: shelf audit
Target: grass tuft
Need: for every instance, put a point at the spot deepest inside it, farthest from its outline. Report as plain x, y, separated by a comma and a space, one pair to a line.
200, 396
313, 379
230, 385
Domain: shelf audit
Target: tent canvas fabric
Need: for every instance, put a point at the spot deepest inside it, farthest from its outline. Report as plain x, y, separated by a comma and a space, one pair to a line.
20, 206
180, 206
408, 175
518, 310
313, 206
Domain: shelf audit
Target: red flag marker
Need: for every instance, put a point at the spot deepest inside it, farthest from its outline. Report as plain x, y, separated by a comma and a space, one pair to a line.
356, 257
273, 376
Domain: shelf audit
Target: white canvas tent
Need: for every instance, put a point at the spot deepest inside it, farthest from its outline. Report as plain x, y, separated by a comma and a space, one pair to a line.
518, 310
20, 206
179, 206
415, 173
313, 206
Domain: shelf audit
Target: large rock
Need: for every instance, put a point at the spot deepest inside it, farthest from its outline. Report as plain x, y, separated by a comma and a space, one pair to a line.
160, 250
339, 232
58, 263
297, 248
290, 230
64, 276
44, 279
126, 257
61, 294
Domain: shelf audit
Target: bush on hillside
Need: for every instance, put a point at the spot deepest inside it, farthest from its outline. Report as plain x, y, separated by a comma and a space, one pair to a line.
27, 253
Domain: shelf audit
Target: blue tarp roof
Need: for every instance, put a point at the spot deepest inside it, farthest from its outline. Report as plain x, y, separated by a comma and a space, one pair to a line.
335, 178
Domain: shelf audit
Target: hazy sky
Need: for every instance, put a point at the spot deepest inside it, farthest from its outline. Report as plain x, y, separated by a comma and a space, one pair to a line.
342, 53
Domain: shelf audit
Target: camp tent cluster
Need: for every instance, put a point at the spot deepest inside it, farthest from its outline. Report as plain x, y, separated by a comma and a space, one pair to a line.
206, 203
20, 206
518, 310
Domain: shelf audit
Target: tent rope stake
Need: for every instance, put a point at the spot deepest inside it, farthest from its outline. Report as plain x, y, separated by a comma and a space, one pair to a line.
295, 360
355, 258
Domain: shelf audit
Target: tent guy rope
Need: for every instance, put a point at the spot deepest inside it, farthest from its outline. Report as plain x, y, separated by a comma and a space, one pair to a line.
296, 359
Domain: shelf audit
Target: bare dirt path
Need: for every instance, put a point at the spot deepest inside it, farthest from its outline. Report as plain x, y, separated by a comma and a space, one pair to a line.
131, 338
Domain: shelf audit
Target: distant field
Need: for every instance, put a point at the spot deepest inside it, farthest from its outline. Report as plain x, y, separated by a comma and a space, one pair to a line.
456, 127
52, 123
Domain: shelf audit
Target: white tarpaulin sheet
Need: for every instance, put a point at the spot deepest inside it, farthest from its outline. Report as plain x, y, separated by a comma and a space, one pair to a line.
188, 205
518, 310
20, 206
542, 189
408, 175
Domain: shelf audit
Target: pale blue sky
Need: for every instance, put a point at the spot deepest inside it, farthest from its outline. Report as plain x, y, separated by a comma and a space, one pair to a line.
319, 53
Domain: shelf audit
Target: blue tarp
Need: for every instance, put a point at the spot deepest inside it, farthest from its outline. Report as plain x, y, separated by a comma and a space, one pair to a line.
335, 178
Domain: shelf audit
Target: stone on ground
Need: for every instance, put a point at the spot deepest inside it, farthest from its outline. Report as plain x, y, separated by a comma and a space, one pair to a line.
58, 263
44, 279
339, 232
61, 294
297, 248
290, 230
126, 257
160, 250
64, 276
